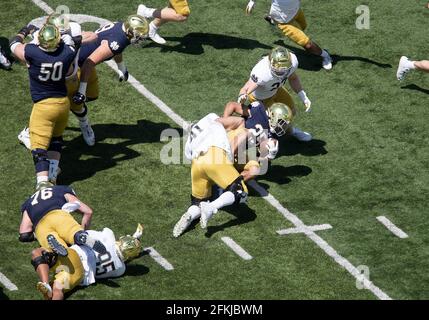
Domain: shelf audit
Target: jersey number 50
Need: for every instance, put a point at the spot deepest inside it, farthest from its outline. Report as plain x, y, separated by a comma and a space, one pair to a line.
51, 71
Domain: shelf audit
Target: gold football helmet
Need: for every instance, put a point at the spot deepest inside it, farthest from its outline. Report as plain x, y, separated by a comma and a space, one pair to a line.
280, 61
137, 28
49, 38
60, 21
280, 116
130, 247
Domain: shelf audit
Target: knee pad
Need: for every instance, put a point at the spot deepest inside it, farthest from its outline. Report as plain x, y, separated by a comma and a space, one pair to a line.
40, 158
56, 144
48, 258
196, 201
237, 189
26, 237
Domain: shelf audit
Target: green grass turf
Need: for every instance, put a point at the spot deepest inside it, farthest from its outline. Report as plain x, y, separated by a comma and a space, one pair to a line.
369, 156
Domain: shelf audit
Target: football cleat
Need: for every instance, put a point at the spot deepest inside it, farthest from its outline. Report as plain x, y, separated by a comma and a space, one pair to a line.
327, 62
4, 62
402, 68
87, 132
45, 289
83, 238
24, 138
154, 36
183, 224
207, 211
301, 135
56, 247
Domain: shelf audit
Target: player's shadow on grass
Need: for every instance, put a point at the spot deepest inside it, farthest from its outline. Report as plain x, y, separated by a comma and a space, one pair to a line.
282, 175
415, 88
105, 155
3, 296
193, 43
310, 62
242, 213
290, 147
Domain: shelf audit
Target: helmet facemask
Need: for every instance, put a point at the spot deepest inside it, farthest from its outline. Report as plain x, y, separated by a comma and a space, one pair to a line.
280, 117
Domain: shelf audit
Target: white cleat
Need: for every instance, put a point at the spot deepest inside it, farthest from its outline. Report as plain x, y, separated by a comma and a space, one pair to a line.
301, 135
207, 211
402, 68
24, 138
153, 34
87, 132
144, 11
183, 224
327, 62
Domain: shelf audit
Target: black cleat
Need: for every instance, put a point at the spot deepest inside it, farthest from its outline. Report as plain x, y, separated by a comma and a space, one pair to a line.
56, 247
83, 238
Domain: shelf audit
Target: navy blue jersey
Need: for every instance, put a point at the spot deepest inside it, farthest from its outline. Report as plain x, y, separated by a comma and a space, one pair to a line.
44, 201
115, 36
258, 118
47, 71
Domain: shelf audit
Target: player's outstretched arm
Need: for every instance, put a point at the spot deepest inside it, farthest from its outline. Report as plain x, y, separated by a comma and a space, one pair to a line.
123, 71
235, 107
296, 85
247, 89
88, 36
77, 205
231, 122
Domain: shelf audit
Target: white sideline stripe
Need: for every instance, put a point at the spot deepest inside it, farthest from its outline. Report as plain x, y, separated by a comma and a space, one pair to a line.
392, 228
236, 248
268, 197
159, 259
7, 283
307, 229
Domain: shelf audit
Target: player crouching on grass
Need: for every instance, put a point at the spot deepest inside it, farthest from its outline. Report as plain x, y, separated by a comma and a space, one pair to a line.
88, 265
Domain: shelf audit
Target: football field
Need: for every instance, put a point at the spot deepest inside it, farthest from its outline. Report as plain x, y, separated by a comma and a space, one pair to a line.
313, 225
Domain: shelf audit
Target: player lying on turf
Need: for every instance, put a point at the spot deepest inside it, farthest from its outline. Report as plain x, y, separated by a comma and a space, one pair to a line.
212, 157
266, 84
80, 38
4, 62
46, 217
84, 266
406, 65
112, 39
290, 19
48, 63
177, 10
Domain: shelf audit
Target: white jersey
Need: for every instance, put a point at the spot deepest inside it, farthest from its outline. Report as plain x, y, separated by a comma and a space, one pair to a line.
98, 266
283, 11
268, 84
204, 134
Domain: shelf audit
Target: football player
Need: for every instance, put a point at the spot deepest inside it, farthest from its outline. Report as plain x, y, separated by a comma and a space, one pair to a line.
406, 65
212, 159
90, 266
4, 62
290, 19
79, 37
112, 39
177, 10
48, 63
266, 85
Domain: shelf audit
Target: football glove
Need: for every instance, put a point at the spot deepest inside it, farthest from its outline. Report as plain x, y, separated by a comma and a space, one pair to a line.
79, 98
242, 98
303, 96
250, 6
273, 148
123, 72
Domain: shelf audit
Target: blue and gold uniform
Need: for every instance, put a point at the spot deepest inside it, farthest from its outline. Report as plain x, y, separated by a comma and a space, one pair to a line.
44, 211
47, 72
181, 7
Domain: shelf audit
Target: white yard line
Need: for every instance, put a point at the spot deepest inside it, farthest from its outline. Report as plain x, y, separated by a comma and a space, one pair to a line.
307, 229
268, 197
392, 228
236, 248
7, 283
159, 259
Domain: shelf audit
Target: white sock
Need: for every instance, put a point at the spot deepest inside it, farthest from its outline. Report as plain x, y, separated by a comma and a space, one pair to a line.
409, 64
42, 179
145, 11
194, 211
227, 198
153, 27
53, 169
324, 54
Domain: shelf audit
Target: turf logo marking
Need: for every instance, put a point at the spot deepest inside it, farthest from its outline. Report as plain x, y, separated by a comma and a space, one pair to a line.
392, 228
236, 248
